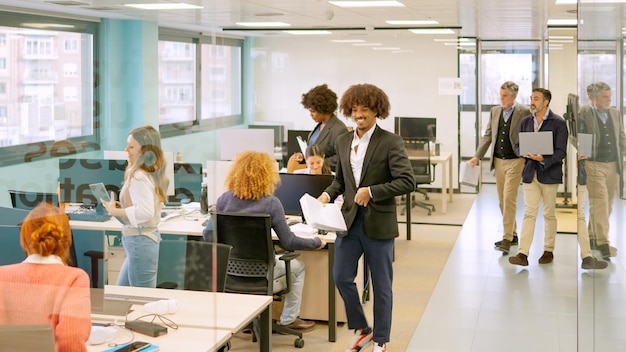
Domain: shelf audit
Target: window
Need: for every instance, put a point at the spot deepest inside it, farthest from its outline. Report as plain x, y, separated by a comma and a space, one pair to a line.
199, 82
46, 115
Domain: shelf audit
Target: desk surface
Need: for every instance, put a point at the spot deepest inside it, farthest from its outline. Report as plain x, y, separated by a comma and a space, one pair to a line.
184, 338
202, 309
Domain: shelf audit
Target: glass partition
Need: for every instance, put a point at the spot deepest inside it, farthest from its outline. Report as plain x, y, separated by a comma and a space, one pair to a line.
601, 293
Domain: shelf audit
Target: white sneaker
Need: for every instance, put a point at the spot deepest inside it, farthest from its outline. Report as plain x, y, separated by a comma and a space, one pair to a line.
380, 347
360, 340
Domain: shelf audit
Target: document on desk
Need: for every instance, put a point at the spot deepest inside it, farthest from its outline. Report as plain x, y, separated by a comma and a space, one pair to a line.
536, 143
303, 230
469, 174
302, 144
323, 217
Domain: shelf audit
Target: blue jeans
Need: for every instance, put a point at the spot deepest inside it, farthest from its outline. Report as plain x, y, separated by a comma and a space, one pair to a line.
142, 259
293, 299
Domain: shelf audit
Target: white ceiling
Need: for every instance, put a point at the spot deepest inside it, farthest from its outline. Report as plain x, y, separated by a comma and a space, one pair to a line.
485, 19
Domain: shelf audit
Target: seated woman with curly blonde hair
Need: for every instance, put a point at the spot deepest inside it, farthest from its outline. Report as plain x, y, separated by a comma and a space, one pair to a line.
251, 182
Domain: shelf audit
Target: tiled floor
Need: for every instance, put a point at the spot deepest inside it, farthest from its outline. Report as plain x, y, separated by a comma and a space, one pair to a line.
482, 303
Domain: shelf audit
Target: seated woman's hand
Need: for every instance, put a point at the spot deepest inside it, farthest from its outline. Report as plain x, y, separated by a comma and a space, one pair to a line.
323, 245
297, 157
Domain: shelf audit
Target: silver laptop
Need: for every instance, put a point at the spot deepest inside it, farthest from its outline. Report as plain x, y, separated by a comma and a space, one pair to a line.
536, 143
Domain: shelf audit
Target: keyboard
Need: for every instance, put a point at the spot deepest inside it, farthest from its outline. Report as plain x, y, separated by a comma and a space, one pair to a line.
119, 297
90, 215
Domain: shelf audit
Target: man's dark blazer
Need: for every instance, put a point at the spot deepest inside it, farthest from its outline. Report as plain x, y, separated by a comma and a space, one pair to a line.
588, 115
491, 133
551, 171
326, 139
386, 170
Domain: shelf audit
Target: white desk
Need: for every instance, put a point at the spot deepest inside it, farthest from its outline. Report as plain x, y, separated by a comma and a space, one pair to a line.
181, 226
184, 338
207, 310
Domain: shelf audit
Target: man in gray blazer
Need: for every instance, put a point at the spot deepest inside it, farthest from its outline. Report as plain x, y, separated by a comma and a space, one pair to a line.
372, 169
605, 164
502, 133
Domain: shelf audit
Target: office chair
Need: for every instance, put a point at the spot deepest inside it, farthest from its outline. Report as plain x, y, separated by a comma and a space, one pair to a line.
252, 259
192, 265
418, 150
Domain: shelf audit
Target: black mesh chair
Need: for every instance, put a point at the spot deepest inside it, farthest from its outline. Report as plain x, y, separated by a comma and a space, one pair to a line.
252, 259
192, 265
418, 150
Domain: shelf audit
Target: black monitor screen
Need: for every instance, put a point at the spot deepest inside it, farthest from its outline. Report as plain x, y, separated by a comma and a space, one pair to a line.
293, 186
292, 142
416, 127
75, 175
279, 132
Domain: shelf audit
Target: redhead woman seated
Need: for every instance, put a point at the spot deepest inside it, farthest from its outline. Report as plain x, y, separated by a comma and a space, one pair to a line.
43, 290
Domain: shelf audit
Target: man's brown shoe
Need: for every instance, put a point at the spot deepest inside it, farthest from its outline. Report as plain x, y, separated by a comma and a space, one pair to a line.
301, 325
546, 258
519, 259
592, 263
514, 242
504, 246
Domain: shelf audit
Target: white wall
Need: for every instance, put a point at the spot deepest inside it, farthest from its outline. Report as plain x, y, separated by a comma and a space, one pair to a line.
285, 68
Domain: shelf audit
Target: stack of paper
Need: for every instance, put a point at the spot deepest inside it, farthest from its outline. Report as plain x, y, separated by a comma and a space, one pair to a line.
303, 230
323, 217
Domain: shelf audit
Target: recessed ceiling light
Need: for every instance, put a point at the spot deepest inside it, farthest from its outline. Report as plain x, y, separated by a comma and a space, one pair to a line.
348, 41
268, 14
47, 25
417, 23
566, 2
451, 40
167, 6
386, 48
391, 3
366, 44
263, 24
432, 31
308, 32
561, 37
562, 22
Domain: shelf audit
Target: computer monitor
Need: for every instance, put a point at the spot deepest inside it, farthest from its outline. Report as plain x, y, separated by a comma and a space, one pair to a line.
187, 182
416, 127
292, 142
279, 132
28, 200
75, 176
293, 186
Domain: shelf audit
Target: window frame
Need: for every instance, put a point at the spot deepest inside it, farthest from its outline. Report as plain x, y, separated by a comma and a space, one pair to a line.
42, 150
199, 124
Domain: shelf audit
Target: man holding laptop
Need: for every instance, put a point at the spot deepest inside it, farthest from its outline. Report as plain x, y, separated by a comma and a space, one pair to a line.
543, 155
